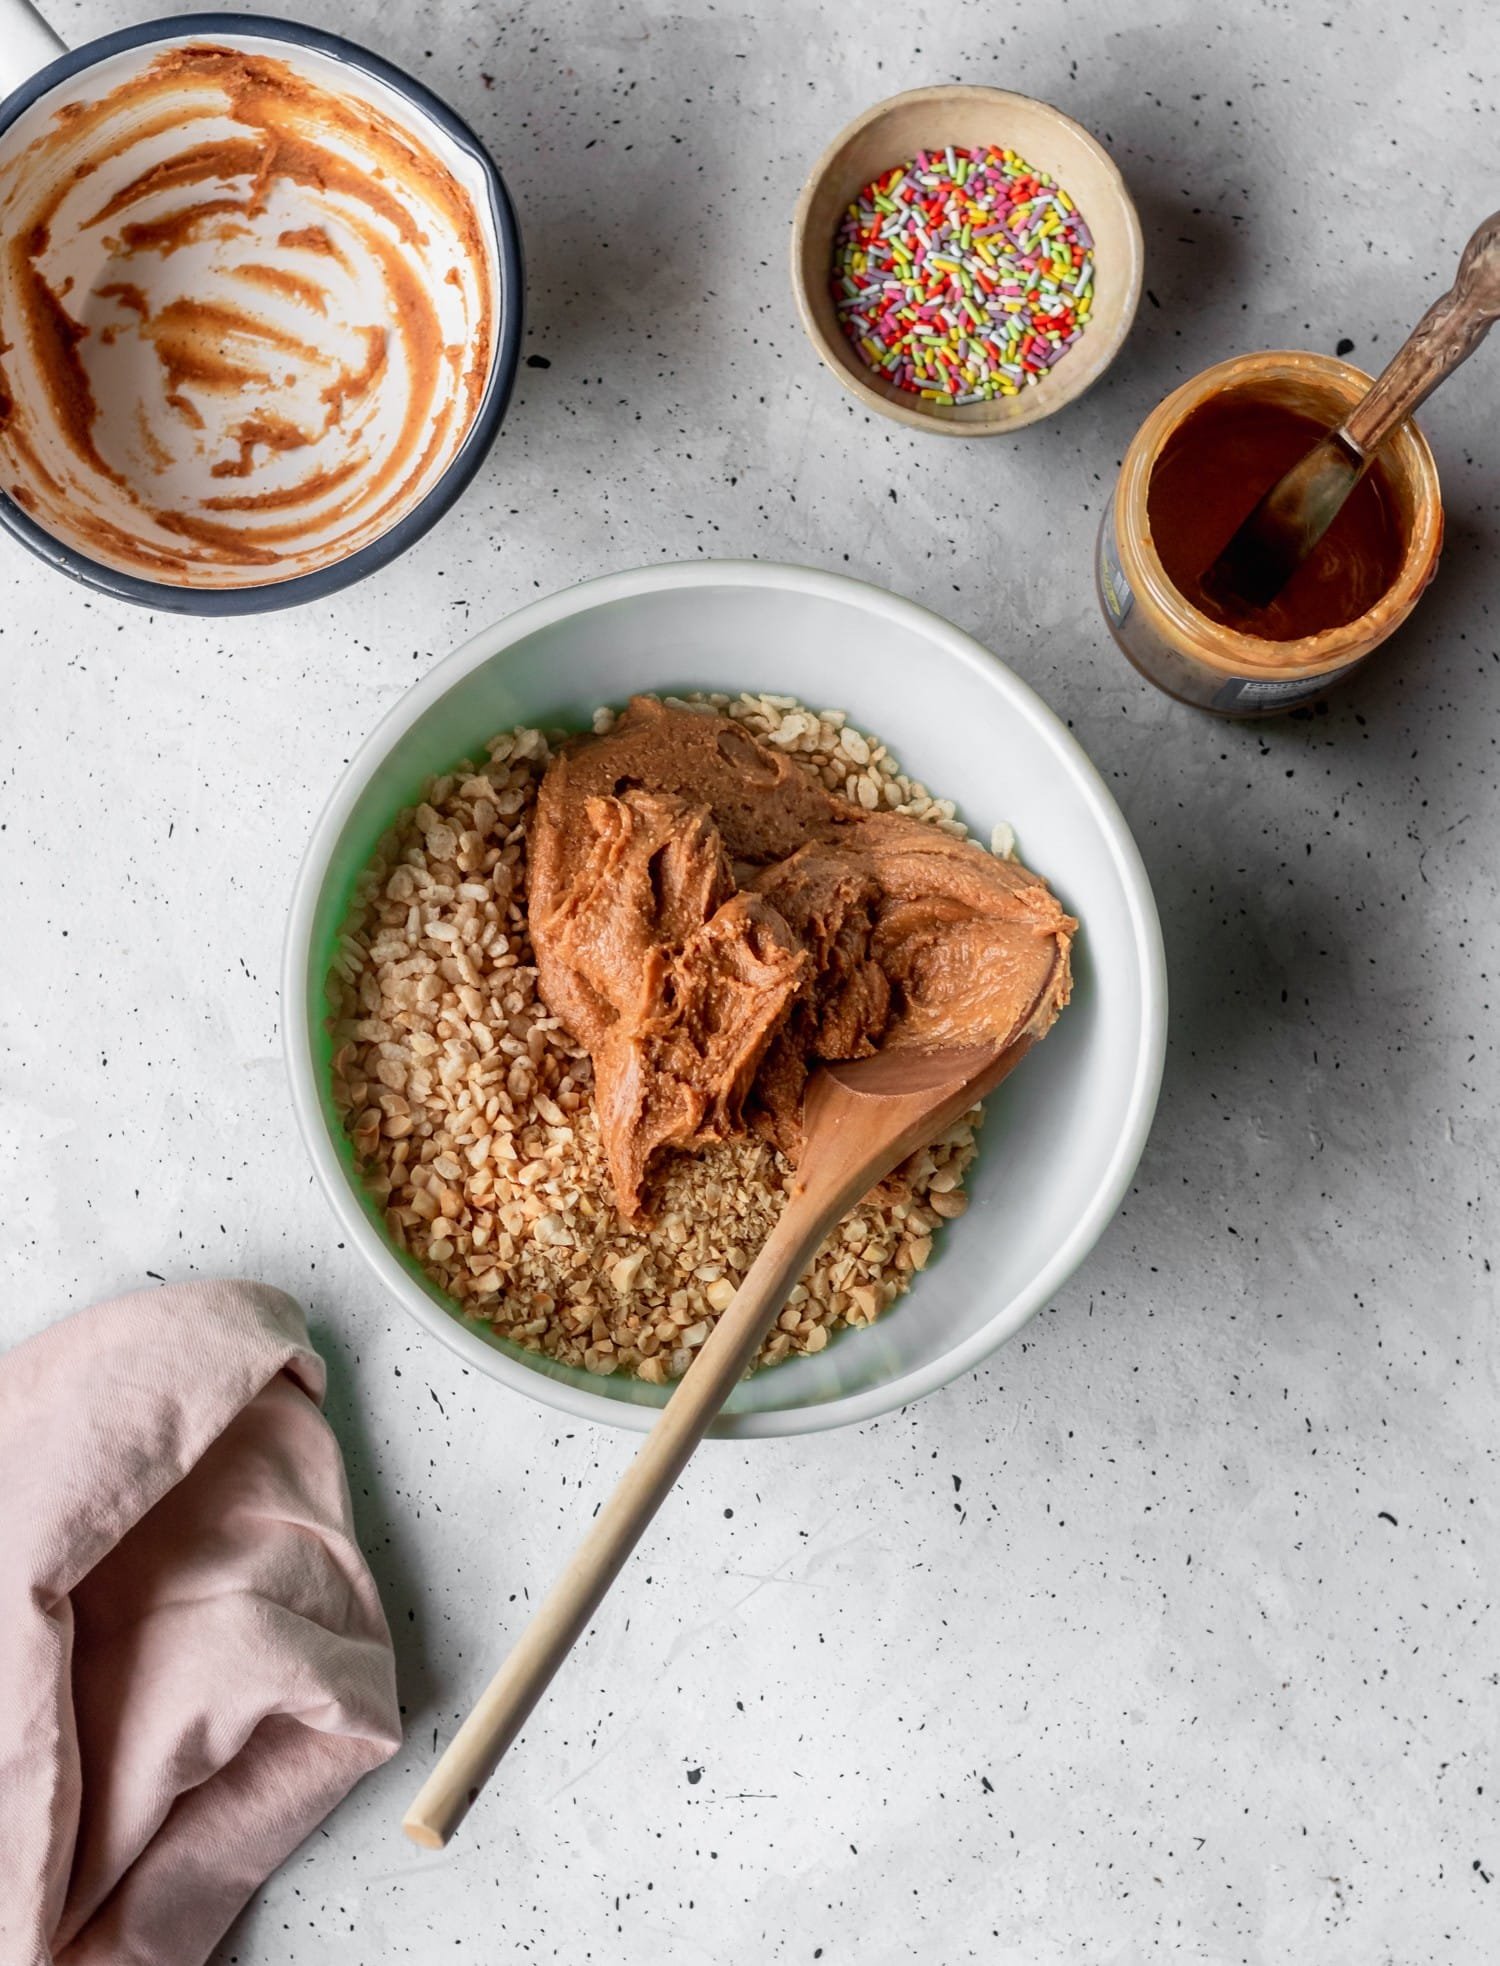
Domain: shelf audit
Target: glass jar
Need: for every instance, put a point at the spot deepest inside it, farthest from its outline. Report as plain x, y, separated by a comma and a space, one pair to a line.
1201, 661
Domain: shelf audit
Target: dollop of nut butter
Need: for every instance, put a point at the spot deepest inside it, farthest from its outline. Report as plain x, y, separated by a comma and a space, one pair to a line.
711, 922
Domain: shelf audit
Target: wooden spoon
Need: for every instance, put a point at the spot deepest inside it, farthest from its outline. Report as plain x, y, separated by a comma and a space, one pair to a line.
862, 1120
1300, 507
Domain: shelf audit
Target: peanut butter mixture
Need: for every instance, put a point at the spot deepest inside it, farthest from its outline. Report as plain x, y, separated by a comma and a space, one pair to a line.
709, 923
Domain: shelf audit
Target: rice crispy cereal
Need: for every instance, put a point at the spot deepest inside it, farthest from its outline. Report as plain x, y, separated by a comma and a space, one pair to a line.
471, 1110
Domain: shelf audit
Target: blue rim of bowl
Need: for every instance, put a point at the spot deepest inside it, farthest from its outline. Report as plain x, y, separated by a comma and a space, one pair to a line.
299, 986
510, 314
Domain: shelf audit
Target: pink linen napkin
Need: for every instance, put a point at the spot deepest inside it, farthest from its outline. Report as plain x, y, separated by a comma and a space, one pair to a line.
194, 1664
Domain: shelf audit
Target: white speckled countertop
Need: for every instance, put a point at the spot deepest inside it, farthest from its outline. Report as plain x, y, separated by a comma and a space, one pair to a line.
1171, 1633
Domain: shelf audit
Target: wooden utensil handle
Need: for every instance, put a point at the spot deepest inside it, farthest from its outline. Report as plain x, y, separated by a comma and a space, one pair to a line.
857, 1132
564, 1613
1447, 334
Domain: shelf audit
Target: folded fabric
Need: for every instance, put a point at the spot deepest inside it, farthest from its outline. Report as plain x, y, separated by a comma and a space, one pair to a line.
194, 1663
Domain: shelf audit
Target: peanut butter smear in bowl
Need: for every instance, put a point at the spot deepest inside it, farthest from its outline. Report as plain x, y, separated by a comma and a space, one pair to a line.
248, 312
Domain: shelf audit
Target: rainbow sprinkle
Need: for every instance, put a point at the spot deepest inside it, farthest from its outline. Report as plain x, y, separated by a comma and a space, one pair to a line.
963, 275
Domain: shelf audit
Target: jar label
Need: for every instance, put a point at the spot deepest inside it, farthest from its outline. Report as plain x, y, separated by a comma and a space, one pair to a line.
1113, 586
1257, 693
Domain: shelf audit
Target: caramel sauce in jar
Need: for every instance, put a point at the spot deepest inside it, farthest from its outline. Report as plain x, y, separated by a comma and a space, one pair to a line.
1193, 472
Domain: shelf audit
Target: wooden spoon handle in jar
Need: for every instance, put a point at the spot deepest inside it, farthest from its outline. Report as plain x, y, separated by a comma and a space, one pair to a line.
1447, 334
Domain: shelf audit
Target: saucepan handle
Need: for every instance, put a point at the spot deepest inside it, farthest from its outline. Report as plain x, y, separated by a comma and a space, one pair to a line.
27, 43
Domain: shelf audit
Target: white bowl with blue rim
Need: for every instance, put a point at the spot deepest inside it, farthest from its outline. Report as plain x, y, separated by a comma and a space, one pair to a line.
105, 527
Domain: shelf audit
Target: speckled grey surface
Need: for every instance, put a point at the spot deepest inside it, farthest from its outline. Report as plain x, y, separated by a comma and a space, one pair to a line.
1171, 1633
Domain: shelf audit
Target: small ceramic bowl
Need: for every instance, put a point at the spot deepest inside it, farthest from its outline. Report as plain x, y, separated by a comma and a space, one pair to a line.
107, 528
930, 119
1061, 1140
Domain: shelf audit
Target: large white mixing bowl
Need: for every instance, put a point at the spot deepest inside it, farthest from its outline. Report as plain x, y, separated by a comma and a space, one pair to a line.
1063, 1135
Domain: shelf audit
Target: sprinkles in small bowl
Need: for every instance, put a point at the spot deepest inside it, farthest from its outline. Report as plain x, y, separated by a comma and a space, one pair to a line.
963, 275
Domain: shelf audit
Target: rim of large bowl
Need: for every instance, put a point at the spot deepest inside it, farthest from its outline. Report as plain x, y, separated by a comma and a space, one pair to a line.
510, 322
579, 1402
